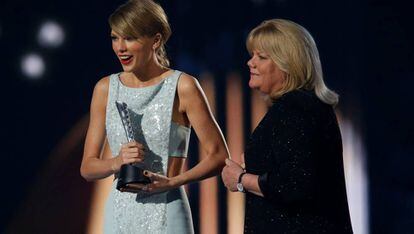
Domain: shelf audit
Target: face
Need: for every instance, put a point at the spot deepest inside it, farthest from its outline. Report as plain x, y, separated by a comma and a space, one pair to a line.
134, 54
265, 75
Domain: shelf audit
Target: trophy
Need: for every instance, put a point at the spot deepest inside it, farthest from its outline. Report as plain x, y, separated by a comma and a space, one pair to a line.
129, 173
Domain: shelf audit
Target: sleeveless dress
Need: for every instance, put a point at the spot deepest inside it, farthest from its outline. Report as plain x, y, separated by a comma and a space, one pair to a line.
150, 112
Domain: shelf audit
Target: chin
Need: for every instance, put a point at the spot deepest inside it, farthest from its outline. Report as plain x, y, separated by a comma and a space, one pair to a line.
127, 68
252, 85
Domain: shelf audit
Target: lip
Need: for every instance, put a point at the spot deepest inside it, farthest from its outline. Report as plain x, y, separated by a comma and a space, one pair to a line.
253, 74
125, 61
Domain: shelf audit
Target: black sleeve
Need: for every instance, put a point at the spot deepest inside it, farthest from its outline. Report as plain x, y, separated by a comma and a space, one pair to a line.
293, 142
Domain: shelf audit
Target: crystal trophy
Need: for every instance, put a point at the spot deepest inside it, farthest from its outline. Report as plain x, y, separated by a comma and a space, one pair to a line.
129, 173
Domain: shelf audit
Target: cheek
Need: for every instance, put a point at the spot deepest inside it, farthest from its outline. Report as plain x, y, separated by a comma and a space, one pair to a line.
266, 79
266, 83
139, 51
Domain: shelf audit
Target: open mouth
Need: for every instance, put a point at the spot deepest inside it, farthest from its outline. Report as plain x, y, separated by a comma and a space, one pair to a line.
125, 59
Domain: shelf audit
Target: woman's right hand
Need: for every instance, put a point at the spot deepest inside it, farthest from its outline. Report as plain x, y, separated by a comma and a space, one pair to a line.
132, 152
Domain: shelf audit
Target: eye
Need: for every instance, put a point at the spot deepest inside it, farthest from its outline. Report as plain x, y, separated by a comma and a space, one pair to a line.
262, 57
114, 38
128, 38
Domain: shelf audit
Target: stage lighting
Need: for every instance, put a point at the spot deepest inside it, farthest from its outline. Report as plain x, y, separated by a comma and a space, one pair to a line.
33, 66
51, 35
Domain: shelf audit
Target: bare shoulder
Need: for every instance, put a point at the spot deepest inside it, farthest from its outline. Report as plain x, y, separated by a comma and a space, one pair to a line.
102, 86
100, 92
188, 85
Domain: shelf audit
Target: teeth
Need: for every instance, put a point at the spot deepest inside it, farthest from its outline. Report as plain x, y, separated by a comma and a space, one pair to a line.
125, 57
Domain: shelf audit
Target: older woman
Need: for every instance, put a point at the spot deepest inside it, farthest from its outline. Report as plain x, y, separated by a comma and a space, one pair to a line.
294, 177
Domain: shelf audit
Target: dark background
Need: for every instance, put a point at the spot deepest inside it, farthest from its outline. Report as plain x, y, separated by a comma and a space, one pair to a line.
366, 49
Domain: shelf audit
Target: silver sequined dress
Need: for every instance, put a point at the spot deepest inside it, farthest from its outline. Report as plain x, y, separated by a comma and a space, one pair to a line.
151, 111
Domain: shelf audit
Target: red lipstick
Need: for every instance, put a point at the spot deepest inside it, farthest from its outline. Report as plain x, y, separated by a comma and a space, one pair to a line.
126, 61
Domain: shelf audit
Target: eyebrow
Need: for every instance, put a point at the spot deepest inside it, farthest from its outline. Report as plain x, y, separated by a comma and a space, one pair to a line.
260, 53
114, 33
263, 54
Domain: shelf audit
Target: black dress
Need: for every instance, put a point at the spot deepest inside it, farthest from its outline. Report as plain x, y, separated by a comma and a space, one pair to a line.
297, 152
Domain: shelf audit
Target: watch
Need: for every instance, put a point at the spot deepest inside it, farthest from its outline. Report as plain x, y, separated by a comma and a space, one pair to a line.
239, 184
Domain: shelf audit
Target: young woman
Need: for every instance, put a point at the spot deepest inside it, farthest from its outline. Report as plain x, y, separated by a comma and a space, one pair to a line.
163, 104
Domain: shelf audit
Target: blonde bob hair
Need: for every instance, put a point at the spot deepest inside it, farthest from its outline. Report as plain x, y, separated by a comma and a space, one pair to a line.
142, 18
293, 50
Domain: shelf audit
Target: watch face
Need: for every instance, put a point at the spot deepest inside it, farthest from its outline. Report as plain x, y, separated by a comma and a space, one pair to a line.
240, 187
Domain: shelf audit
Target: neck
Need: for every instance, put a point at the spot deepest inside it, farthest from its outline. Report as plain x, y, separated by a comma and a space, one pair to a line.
149, 73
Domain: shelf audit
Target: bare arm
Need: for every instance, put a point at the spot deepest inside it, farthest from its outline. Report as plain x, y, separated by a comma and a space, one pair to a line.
97, 161
195, 105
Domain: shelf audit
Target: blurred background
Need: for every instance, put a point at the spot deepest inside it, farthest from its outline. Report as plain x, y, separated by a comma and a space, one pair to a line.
53, 53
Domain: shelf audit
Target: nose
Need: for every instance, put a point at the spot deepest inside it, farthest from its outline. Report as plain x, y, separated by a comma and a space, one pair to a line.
120, 46
250, 63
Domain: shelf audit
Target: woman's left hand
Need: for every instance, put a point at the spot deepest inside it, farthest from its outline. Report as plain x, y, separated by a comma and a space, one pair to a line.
230, 174
159, 183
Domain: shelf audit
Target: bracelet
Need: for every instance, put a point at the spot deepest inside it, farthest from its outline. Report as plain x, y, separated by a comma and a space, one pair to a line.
240, 176
239, 184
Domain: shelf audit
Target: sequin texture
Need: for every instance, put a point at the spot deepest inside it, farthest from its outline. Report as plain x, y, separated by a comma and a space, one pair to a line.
296, 151
150, 109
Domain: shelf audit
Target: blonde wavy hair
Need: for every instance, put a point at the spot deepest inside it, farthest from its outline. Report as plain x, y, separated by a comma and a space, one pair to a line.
293, 50
142, 18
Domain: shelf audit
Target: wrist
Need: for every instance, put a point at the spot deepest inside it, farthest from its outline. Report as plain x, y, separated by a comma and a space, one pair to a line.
176, 181
239, 184
115, 165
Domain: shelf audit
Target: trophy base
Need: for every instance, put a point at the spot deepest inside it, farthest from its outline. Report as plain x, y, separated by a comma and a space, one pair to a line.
130, 174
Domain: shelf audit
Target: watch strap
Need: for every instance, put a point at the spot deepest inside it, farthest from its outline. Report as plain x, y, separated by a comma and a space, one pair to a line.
240, 176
